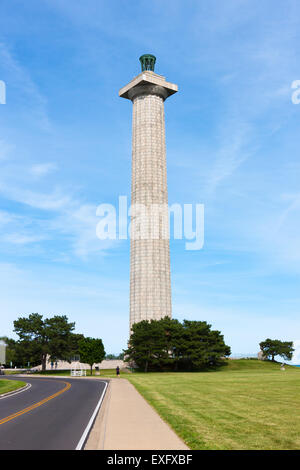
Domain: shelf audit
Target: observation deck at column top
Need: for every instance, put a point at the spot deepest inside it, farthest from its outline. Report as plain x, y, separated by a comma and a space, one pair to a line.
148, 77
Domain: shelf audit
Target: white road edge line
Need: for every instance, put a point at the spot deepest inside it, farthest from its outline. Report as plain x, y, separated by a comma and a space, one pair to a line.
9, 394
91, 421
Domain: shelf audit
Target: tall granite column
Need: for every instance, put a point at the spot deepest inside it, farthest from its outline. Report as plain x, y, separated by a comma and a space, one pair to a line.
150, 280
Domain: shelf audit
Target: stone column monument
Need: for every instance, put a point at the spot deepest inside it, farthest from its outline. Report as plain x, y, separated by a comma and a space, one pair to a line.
150, 280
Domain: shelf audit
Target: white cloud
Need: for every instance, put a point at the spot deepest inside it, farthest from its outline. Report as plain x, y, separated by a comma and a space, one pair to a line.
6, 218
5, 149
68, 219
234, 149
19, 77
22, 239
78, 222
42, 169
51, 201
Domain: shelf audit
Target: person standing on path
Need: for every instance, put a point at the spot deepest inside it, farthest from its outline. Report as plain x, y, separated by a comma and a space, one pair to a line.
118, 371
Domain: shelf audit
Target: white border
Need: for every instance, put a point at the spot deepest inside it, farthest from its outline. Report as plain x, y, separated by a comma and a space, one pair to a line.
92, 419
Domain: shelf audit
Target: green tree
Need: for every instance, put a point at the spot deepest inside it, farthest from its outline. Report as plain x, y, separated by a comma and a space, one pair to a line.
114, 356
147, 345
201, 346
74, 345
19, 354
172, 331
91, 351
274, 347
167, 343
39, 338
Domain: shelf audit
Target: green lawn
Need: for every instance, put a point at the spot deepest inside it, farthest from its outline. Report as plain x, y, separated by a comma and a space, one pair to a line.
10, 385
248, 404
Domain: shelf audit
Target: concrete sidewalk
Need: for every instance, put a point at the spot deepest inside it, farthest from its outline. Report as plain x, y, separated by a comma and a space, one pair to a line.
127, 422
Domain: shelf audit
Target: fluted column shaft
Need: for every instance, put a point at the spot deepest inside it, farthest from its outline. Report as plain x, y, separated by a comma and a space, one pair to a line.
150, 283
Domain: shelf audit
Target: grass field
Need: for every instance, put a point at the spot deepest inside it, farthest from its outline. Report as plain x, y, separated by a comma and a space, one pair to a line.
248, 404
10, 385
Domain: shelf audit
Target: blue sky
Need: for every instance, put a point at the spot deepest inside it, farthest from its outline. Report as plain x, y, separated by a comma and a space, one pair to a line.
232, 144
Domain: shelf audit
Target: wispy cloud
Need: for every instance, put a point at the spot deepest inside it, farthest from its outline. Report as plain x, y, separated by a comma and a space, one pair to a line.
42, 169
51, 201
18, 77
22, 239
5, 149
234, 149
66, 218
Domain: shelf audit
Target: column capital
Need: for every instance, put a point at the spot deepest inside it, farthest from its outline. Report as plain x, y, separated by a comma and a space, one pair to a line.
146, 83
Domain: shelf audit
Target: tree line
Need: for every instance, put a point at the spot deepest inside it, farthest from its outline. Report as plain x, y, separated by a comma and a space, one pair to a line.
154, 345
51, 338
167, 344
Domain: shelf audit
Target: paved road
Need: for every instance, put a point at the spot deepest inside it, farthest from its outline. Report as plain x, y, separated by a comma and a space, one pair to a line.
51, 415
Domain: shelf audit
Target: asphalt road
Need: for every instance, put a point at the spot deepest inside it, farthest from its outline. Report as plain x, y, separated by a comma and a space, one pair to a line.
52, 414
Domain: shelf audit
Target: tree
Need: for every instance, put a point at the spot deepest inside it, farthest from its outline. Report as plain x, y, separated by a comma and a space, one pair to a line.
74, 345
201, 346
169, 344
114, 356
39, 338
91, 351
147, 345
19, 353
172, 331
274, 347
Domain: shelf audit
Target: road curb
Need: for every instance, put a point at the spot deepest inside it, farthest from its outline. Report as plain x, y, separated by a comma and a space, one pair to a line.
15, 392
96, 437
88, 430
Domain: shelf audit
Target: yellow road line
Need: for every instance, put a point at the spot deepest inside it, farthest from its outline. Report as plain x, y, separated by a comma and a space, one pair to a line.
36, 405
